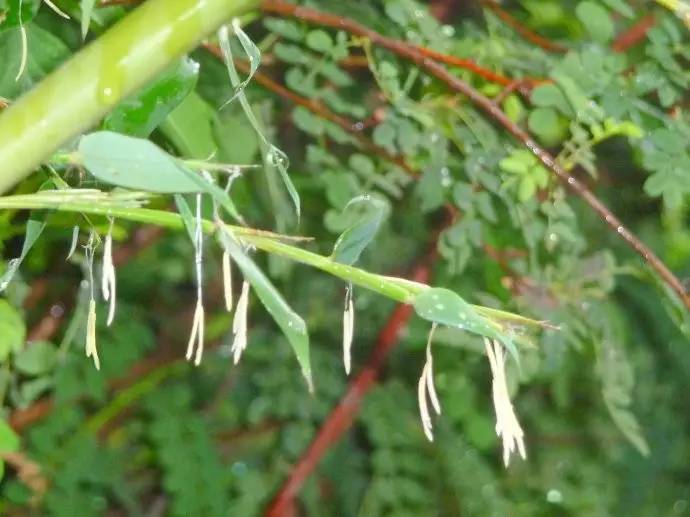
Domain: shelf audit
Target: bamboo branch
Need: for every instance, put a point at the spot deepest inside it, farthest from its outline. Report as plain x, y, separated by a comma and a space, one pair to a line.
435, 69
94, 80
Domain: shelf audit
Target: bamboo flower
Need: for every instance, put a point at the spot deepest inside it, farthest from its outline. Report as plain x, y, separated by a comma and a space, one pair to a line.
108, 280
426, 387
91, 350
227, 281
197, 334
239, 324
348, 329
507, 426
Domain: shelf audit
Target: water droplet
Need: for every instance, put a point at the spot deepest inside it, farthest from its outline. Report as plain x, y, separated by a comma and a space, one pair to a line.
554, 496
359, 126
57, 311
445, 177
620, 229
107, 91
571, 180
434, 137
448, 30
680, 506
553, 237
239, 468
419, 13
463, 316
440, 306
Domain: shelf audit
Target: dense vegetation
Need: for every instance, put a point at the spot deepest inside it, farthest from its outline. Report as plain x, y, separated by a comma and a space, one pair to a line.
525, 164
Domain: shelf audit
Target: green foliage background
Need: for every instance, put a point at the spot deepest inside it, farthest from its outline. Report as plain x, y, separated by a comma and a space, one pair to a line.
603, 401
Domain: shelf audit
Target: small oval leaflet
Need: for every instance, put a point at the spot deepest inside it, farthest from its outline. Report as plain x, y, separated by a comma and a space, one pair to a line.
135, 163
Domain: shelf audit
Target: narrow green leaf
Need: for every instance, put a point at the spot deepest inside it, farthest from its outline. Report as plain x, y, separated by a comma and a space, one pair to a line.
252, 51
443, 306
274, 157
86, 13
352, 241
32, 232
186, 214
140, 114
290, 322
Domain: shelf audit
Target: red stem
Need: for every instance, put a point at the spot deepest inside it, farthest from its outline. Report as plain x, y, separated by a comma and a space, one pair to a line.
523, 31
286, 9
634, 34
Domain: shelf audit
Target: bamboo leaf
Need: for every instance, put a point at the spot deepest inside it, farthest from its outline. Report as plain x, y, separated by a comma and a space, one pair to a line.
139, 164
134, 163
186, 214
86, 13
290, 322
274, 157
357, 237
140, 114
448, 308
33, 231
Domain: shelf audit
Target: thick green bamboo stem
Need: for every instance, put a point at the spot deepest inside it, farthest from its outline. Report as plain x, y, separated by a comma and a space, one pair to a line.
80, 92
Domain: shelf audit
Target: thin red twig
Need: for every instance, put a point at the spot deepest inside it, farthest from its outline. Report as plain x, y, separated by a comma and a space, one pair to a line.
634, 34
494, 112
342, 416
444, 10
286, 9
523, 31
